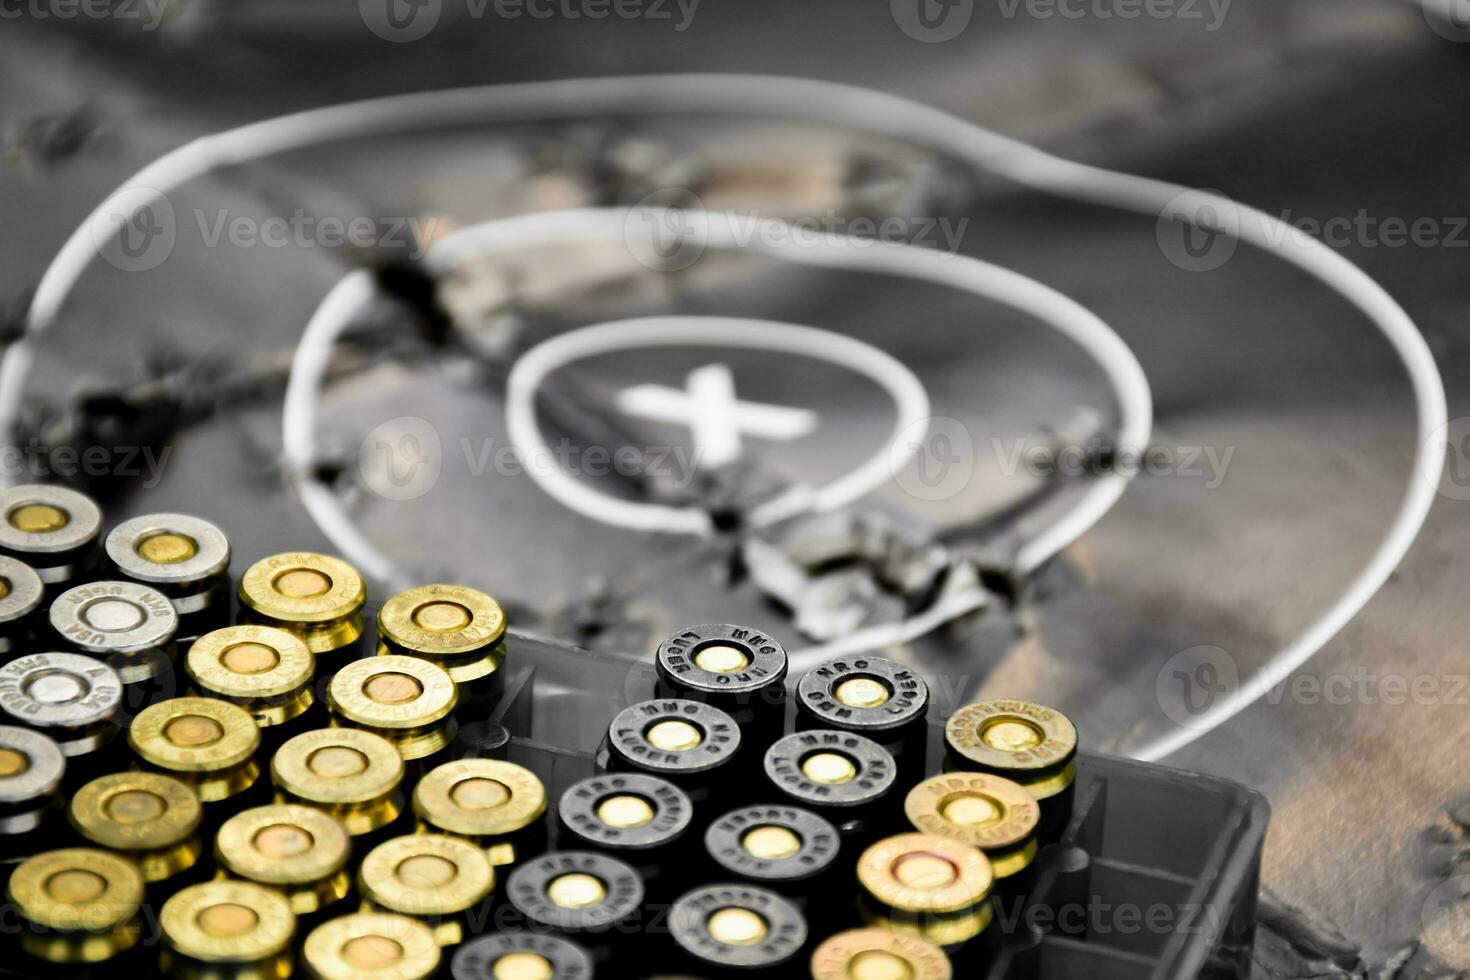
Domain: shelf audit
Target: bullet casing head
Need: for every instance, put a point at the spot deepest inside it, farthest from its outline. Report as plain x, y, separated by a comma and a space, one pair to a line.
351, 774
225, 927
81, 904
52, 529
673, 738
575, 892
108, 618
151, 817
31, 767
21, 594
456, 627
297, 849
773, 844
428, 876
867, 695
206, 743
927, 886
481, 799
70, 697
404, 699
733, 667
989, 812
266, 671
625, 812
182, 556
317, 597
860, 954
516, 955
737, 926
371, 944
831, 769
1028, 743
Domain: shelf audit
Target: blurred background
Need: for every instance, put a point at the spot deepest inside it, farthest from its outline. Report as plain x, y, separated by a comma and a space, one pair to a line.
1288, 419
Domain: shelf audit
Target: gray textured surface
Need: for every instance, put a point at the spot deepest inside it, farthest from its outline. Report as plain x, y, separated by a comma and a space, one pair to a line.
1318, 108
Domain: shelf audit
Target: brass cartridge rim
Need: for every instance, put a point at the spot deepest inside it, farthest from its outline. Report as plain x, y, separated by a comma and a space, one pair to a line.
414, 693
100, 891
480, 798
441, 621
283, 844
393, 947
978, 809
338, 767
426, 875
943, 876
303, 589
250, 922
1031, 743
842, 956
194, 735
251, 663
136, 811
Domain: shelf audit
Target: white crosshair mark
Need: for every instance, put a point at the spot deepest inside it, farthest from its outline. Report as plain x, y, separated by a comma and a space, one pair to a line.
716, 417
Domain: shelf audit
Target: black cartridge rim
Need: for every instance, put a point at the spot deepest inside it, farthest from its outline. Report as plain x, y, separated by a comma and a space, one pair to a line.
628, 742
689, 923
907, 702
874, 779
672, 811
819, 840
677, 664
623, 891
476, 959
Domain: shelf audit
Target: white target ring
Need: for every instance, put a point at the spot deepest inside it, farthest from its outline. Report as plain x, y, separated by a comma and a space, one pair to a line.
537, 364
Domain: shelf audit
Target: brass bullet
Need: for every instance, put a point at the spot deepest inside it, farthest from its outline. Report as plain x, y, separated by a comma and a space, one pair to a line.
352, 775
1025, 742
878, 954
152, 818
927, 886
79, 905
295, 849
496, 804
432, 877
456, 627
227, 930
205, 743
369, 944
994, 814
264, 670
408, 701
317, 597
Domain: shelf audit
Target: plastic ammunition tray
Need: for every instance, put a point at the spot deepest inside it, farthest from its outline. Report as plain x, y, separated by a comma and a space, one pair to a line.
1154, 878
